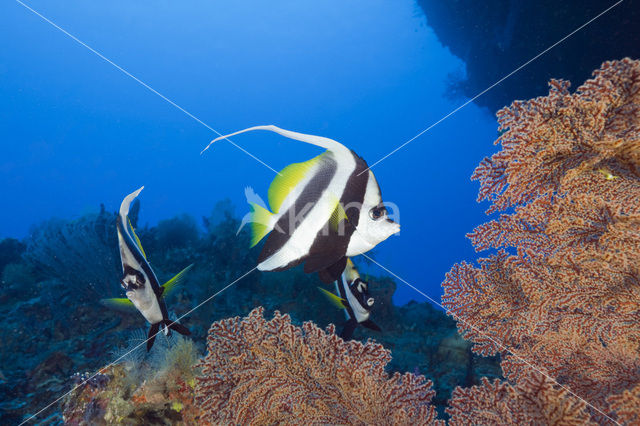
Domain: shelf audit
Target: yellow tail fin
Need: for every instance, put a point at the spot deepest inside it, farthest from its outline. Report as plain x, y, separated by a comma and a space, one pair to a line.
260, 223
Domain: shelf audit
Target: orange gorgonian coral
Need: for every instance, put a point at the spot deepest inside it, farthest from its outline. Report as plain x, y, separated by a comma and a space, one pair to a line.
273, 372
563, 290
534, 400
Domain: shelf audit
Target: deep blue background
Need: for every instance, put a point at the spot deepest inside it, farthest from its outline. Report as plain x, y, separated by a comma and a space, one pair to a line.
76, 132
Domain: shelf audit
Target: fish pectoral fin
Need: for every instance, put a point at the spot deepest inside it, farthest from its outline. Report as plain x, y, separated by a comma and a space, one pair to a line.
338, 214
370, 325
151, 337
168, 287
260, 223
119, 304
328, 258
349, 328
335, 300
333, 272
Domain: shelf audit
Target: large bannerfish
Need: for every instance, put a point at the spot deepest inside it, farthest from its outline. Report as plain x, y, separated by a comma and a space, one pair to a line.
140, 282
323, 210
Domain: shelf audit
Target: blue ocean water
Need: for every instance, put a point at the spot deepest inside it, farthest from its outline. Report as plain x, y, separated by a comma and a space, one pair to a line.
78, 132
99, 99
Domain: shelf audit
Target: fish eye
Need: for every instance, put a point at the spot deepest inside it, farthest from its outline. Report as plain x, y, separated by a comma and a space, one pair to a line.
370, 301
377, 212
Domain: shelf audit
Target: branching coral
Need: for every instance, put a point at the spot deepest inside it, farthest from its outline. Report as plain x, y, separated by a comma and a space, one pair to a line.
563, 291
268, 372
533, 401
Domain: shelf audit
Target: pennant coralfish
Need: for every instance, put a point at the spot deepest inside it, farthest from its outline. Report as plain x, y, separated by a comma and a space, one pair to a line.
324, 210
140, 282
354, 298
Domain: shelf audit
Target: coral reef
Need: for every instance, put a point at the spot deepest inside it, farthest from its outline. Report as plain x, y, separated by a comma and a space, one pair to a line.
10, 252
53, 310
562, 292
534, 400
256, 372
156, 390
268, 372
82, 254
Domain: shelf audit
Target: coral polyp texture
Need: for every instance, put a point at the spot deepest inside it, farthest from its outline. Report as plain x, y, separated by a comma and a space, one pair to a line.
273, 372
534, 400
562, 292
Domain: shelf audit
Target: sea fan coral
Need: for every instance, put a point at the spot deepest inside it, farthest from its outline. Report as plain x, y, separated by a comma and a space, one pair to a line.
81, 253
563, 291
268, 372
533, 401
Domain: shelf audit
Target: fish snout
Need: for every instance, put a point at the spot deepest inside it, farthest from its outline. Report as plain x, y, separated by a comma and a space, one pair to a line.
395, 227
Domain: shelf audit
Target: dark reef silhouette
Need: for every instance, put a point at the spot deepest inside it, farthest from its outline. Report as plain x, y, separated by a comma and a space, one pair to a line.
495, 37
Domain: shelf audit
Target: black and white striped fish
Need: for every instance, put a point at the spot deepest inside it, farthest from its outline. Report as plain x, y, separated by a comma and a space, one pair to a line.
139, 280
354, 298
324, 210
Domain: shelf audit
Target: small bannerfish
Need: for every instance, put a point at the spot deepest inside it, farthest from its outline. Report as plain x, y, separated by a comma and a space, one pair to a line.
140, 282
324, 210
354, 298
607, 174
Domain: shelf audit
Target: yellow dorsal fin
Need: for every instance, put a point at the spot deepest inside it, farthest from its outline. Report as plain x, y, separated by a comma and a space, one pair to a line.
288, 178
170, 285
350, 271
335, 300
135, 237
260, 223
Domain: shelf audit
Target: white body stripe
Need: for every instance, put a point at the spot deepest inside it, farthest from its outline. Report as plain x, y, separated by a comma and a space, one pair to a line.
144, 299
300, 241
360, 241
146, 302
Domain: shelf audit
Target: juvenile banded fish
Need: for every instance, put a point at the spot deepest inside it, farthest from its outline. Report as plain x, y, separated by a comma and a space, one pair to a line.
140, 282
353, 296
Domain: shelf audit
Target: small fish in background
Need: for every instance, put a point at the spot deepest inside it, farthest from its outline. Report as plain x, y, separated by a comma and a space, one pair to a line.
140, 282
324, 210
607, 174
354, 298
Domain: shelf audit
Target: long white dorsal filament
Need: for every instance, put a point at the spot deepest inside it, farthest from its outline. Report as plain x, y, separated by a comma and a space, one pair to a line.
124, 207
320, 141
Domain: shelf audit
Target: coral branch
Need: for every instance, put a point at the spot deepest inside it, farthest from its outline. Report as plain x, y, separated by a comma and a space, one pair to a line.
563, 291
266, 372
533, 401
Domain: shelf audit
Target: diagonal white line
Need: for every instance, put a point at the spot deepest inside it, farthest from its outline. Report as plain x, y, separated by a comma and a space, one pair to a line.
493, 85
141, 344
477, 330
127, 73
